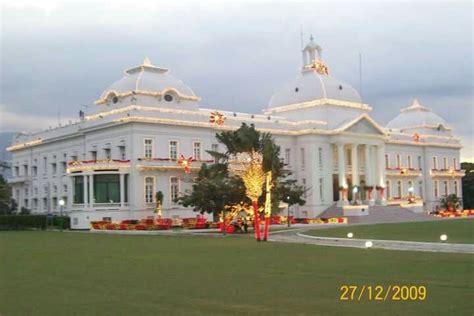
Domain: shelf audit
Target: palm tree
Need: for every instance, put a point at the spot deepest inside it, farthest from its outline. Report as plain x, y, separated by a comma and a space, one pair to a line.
263, 165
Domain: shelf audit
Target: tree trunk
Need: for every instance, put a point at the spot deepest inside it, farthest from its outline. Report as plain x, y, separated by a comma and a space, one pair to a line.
256, 220
267, 224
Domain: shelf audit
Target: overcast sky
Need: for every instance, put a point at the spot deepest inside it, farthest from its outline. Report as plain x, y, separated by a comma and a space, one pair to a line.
59, 55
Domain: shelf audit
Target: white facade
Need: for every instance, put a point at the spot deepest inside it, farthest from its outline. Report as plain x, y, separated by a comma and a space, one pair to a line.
113, 161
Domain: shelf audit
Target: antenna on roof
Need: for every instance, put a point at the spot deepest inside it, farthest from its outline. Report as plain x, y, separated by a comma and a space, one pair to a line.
360, 75
301, 39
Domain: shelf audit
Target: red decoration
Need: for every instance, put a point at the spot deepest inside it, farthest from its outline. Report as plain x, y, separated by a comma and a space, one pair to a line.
185, 163
217, 118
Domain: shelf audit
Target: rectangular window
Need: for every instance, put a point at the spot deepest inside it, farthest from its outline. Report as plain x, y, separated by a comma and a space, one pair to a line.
54, 202
173, 150
287, 156
78, 197
122, 153
174, 189
215, 147
93, 155
106, 188
387, 187
65, 188
148, 148
410, 187
446, 188
455, 187
63, 167
435, 163
107, 153
45, 164
303, 183
54, 168
35, 190
320, 157
321, 188
35, 171
420, 188
387, 162
445, 163
197, 151
399, 161
302, 158
399, 188
149, 189
410, 163
55, 189
25, 170
436, 188
455, 163
420, 166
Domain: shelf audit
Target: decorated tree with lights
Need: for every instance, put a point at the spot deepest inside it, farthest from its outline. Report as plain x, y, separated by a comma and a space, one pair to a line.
255, 157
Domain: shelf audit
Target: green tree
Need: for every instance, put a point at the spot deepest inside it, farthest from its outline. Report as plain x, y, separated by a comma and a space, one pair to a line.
468, 185
214, 189
5, 197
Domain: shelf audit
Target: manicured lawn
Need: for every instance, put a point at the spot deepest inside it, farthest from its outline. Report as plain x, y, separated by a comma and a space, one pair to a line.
53, 273
458, 231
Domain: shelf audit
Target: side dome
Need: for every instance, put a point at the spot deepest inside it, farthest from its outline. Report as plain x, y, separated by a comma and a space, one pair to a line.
314, 83
419, 118
147, 79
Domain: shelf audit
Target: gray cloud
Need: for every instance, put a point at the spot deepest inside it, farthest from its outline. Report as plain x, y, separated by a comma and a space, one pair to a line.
236, 54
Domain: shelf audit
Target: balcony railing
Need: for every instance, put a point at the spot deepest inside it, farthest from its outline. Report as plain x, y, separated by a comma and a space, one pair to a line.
20, 179
91, 165
404, 172
190, 164
447, 173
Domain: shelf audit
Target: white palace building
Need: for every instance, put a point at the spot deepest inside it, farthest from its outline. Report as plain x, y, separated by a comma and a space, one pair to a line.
113, 161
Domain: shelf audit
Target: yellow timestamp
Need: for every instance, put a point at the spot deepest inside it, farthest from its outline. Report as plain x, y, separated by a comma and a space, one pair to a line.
383, 293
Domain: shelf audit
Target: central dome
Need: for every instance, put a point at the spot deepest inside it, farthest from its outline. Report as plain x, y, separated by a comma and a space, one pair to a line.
314, 83
311, 85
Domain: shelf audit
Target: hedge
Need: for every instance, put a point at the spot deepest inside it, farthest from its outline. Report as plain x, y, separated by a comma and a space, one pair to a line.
21, 222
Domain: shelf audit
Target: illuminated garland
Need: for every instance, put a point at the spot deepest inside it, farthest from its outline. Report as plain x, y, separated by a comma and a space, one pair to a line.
26, 144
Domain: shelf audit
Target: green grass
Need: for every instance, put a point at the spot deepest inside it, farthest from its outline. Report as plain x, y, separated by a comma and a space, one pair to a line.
458, 231
53, 273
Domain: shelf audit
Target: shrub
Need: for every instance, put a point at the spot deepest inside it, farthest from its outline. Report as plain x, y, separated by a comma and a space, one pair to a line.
21, 222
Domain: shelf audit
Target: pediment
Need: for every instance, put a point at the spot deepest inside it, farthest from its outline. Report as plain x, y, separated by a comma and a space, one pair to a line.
364, 126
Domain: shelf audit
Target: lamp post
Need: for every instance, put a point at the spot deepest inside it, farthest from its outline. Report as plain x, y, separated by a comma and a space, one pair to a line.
288, 217
61, 204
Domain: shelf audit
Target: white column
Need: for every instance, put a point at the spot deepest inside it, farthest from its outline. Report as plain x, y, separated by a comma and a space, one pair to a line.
91, 190
368, 174
122, 190
85, 188
368, 178
342, 171
381, 172
355, 165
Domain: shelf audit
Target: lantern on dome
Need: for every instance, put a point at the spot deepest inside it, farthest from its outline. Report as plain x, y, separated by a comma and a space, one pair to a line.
217, 118
185, 163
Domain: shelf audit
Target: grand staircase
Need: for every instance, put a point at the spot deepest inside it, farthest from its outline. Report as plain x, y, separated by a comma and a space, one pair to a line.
380, 214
